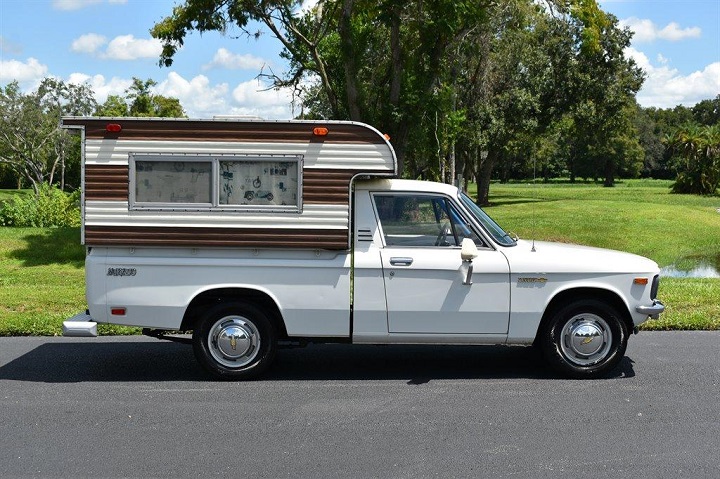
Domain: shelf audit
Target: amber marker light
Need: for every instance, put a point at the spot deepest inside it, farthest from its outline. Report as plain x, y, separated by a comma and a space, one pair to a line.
320, 131
641, 281
113, 128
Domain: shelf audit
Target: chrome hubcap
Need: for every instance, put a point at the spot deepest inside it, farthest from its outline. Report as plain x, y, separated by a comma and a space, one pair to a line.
586, 339
234, 341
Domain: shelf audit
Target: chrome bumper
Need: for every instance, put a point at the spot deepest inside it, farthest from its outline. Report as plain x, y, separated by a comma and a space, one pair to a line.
652, 311
80, 326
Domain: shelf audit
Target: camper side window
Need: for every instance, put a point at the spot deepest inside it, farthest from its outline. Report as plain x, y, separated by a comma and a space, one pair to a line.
259, 183
171, 182
218, 182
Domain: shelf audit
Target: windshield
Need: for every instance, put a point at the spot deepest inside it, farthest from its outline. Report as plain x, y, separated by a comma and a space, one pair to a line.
498, 234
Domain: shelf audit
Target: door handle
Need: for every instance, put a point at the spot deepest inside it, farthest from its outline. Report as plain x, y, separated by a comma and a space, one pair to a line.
398, 261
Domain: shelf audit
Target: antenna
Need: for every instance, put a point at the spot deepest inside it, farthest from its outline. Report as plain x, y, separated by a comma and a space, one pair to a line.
534, 195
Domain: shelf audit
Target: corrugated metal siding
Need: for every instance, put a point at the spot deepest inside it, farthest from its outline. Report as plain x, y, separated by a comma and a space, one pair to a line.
221, 237
115, 213
225, 130
376, 157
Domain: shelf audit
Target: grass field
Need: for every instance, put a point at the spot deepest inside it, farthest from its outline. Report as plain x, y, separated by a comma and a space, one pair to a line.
42, 279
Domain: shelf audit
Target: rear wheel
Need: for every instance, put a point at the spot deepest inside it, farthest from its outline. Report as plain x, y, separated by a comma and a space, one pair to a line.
235, 340
586, 339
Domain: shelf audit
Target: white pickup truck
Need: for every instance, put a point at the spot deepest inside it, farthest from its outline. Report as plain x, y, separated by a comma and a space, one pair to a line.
252, 234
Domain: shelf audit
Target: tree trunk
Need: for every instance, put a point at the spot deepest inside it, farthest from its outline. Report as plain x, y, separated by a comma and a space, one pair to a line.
349, 61
609, 173
484, 175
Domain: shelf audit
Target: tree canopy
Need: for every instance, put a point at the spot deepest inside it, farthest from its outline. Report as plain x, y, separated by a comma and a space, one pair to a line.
32, 144
450, 79
140, 101
35, 150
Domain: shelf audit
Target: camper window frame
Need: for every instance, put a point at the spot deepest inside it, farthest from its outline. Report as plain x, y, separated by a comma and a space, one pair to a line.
214, 160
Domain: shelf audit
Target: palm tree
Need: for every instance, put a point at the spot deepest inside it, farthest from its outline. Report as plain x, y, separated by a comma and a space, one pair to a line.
699, 148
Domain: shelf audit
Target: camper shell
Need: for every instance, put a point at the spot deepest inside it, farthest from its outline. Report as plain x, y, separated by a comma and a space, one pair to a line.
224, 182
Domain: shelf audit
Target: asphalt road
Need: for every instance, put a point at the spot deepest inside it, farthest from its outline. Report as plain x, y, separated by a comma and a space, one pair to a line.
139, 407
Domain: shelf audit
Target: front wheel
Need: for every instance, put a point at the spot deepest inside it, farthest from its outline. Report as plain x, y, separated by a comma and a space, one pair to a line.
234, 341
585, 339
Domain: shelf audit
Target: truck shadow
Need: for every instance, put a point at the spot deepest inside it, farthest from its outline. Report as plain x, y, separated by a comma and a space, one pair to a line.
146, 361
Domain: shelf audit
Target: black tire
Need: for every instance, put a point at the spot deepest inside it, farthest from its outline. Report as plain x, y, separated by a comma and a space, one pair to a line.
586, 339
235, 340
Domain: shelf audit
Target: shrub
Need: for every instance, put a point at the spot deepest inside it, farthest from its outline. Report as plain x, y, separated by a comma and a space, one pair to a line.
50, 207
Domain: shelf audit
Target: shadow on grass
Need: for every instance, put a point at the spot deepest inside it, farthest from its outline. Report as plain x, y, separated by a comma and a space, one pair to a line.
143, 360
51, 246
502, 200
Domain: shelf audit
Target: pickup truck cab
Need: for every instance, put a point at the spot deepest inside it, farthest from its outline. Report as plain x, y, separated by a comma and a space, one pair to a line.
351, 255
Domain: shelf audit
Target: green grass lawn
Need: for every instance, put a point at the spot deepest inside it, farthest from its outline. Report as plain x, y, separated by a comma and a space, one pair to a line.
42, 279
7, 194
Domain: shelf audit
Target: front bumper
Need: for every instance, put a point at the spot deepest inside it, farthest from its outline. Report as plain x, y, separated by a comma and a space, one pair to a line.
652, 311
80, 326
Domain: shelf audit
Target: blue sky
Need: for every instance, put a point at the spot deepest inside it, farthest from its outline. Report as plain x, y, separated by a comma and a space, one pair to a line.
106, 43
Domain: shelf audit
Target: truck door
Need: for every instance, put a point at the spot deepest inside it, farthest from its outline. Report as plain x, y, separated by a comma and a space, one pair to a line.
424, 273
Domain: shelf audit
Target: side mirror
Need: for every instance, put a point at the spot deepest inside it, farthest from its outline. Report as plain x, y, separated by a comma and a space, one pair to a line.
468, 252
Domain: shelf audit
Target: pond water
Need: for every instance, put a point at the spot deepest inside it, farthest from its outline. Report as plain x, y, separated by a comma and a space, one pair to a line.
699, 270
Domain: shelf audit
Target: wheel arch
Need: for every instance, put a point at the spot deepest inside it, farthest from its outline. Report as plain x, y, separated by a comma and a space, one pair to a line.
568, 296
208, 298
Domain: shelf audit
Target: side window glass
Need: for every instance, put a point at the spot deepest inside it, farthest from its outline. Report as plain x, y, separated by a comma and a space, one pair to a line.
462, 229
421, 220
415, 220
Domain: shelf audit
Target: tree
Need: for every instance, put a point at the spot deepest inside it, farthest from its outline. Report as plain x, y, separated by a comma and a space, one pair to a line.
115, 105
377, 62
707, 112
32, 143
140, 101
698, 147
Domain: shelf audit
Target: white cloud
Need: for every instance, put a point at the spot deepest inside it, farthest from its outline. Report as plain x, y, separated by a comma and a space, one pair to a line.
197, 96
101, 87
646, 31
666, 87
24, 72
253, 98
127, 47
226, 59
122, 47
673, 32
79, 4
88, 43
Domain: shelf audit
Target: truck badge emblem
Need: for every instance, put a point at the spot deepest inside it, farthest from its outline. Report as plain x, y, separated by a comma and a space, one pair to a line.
121, 271
233, 343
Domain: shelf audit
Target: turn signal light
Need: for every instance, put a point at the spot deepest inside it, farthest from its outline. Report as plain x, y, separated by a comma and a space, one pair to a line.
320, 131
641, 281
